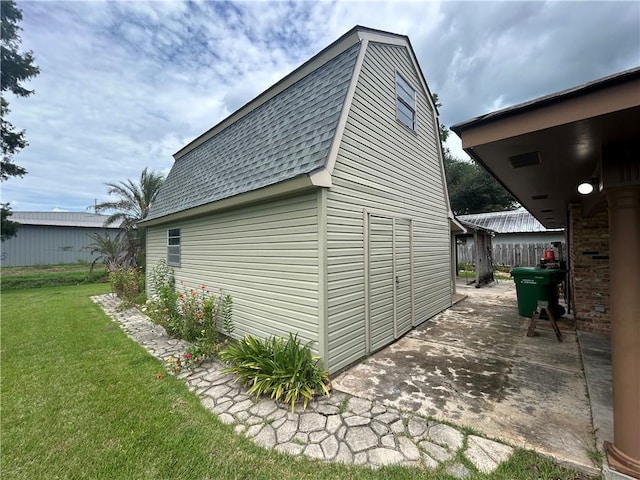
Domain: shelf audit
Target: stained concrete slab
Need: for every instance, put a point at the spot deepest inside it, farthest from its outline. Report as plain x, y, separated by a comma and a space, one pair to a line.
473, 365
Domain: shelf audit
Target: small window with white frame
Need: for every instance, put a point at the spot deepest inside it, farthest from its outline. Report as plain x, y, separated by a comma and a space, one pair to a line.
173, 247
405, 102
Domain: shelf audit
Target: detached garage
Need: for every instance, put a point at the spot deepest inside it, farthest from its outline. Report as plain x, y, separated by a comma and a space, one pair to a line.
321, 205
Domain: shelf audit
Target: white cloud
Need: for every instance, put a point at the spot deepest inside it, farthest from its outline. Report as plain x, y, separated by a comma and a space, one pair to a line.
124, 85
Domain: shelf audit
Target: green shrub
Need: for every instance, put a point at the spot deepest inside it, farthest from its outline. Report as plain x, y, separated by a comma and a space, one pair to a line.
162, 305
467, 267
161, 278
498, 267
226, 315
195, 315
127, 284
193, 357
199, 314
285, 370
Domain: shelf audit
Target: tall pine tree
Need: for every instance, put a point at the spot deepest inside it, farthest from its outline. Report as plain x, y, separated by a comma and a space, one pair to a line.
17, 67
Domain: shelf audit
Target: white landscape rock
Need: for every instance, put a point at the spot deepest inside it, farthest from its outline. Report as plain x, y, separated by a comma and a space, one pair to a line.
385, 456
486, 454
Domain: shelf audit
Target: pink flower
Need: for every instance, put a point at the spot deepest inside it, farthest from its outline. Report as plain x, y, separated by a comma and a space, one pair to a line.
187, 356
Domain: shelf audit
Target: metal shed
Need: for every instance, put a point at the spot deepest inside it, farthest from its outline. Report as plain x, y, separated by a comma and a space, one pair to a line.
52, 238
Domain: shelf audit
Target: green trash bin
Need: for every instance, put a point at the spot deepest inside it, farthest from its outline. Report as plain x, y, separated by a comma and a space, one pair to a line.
534, 284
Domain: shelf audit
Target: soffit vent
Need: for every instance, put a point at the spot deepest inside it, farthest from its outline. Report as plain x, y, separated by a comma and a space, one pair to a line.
539, 197
525, 159
546, 210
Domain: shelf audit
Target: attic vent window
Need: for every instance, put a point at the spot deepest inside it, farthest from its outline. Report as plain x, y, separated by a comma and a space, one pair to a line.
405, 103
173, 247
525, 159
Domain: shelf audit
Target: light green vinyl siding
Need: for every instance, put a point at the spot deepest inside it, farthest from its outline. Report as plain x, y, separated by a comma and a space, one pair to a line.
265, 256
403, 274
383, 165
381, 281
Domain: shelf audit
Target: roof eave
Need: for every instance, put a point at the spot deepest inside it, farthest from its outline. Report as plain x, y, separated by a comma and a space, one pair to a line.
295, 185
546, 100
455, 226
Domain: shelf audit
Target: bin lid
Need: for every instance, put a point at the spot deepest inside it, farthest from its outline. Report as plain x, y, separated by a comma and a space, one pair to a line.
523, 270
546, 272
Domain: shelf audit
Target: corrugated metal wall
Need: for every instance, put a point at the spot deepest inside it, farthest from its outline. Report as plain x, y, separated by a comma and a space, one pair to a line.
49, 245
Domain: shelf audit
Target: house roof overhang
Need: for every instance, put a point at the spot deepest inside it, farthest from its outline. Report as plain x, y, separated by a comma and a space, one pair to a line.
455, 226
541, 150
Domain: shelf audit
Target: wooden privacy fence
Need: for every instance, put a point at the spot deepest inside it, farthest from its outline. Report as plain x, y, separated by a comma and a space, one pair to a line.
513, 254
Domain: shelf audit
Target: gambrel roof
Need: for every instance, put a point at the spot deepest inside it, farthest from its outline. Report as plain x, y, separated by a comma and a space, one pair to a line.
287, 132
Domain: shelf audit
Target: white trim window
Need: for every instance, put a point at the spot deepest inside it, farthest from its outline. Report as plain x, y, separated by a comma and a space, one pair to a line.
173, 247
405, 103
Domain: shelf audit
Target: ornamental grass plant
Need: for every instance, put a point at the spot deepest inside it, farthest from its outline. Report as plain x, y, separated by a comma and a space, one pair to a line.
285, 370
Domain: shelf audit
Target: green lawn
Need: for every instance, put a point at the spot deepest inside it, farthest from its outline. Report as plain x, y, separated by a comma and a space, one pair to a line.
14, 278
81, 400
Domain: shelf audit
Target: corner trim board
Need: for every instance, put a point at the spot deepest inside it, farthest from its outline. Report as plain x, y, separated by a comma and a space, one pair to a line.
321, 178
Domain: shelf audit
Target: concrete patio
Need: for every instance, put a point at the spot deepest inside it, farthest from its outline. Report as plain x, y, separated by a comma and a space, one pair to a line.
473, 365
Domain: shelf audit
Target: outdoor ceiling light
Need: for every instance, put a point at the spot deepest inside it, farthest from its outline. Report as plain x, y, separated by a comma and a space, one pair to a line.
585, 188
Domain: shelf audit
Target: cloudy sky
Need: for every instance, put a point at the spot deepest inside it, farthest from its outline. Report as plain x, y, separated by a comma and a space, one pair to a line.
124, 85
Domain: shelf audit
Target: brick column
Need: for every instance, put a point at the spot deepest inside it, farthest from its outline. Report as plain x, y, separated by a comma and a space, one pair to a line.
589, 254
624, 258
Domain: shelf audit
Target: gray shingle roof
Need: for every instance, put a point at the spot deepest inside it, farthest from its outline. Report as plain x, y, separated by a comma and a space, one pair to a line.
287, 136
514, 221
62, 219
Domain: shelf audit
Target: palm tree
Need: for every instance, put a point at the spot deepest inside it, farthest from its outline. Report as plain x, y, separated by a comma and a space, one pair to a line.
132, 200
113, 251
130, 206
